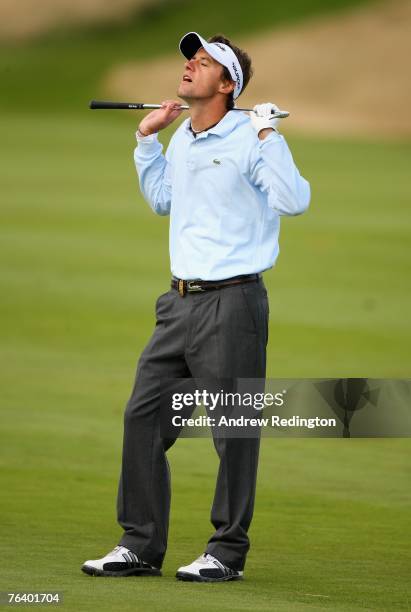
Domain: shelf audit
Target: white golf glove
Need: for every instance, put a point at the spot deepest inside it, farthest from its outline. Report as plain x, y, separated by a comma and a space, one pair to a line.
262, 118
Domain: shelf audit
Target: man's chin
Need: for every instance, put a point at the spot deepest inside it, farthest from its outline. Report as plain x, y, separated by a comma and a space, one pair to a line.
183, 95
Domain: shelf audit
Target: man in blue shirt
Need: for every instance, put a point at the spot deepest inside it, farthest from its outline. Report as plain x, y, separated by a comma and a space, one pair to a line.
225, 180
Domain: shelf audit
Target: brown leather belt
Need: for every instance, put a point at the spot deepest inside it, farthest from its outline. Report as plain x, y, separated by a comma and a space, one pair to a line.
192, 286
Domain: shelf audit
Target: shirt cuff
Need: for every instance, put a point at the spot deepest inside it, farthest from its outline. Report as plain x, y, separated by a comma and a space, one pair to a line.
148, 139
273, 137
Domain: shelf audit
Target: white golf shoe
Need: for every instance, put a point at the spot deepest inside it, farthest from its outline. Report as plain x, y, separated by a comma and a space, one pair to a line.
207, 569
120, 562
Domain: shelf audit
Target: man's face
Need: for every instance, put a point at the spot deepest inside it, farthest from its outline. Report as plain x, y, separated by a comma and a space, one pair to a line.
202, 78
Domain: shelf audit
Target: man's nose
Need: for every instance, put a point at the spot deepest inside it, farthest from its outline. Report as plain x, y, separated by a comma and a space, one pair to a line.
190, 64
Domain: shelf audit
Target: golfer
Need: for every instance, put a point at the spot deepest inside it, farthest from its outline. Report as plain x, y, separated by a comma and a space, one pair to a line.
225, 180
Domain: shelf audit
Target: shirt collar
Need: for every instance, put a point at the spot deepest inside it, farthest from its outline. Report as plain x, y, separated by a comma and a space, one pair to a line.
226, 125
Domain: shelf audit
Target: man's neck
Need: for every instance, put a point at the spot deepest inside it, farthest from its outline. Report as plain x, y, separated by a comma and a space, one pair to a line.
204, 115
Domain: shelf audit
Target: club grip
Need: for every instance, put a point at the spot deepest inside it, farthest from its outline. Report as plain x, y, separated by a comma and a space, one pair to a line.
97, 104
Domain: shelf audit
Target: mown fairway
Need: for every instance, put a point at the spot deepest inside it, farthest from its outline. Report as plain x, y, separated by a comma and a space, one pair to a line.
83, 260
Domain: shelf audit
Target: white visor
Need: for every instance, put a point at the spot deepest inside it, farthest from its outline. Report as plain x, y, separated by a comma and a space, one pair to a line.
223, 54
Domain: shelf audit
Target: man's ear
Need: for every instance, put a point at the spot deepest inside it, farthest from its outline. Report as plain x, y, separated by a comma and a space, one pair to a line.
226, 86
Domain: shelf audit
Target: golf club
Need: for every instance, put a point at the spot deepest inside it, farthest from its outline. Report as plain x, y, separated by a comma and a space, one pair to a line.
99, 104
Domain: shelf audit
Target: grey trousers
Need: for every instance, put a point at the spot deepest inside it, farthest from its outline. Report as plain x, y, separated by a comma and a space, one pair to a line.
214, 334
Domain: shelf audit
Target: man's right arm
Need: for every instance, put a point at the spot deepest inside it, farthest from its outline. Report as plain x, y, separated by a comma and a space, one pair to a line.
153, 171
153, 168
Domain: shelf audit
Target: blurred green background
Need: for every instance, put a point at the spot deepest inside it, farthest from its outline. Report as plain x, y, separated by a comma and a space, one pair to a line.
83, 261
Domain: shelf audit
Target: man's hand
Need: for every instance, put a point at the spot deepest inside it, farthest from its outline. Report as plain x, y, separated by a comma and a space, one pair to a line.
262, 119
160, 118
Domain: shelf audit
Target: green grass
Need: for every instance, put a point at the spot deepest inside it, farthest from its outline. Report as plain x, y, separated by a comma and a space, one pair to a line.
83, 260
80, 241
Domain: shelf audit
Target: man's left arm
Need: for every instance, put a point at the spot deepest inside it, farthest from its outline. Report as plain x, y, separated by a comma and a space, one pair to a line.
273, 169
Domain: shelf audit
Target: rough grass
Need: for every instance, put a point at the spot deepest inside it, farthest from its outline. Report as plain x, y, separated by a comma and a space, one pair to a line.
329, 87
29, 19
63, 70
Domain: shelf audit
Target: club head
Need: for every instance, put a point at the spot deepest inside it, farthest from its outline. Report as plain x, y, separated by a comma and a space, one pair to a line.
280, 114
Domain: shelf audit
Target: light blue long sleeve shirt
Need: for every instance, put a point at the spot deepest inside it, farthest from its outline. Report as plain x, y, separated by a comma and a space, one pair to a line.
225, 191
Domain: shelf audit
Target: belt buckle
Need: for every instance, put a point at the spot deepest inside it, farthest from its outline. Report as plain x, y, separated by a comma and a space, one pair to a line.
181, 288
191, 287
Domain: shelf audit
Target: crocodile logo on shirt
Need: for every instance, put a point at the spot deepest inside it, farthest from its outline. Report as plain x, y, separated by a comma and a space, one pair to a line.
216, 161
